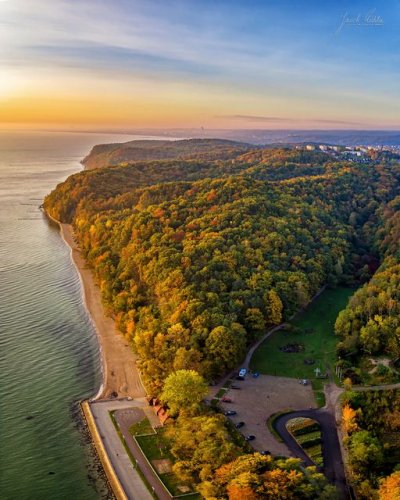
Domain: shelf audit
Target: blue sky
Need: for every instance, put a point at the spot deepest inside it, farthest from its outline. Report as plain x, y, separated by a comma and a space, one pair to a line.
258, 64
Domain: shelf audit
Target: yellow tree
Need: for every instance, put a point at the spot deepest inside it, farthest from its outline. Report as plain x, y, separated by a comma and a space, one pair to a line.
349, 417
274, 308
390, 487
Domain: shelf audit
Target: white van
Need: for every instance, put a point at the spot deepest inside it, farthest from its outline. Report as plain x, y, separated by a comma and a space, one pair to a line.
242, 372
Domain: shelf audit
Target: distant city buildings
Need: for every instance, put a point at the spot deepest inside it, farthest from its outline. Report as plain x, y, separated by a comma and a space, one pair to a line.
360, 154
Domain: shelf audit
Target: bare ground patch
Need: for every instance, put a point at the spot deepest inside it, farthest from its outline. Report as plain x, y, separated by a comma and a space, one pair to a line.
163, 465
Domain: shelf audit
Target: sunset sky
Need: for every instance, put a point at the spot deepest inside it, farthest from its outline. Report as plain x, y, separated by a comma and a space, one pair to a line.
217, 64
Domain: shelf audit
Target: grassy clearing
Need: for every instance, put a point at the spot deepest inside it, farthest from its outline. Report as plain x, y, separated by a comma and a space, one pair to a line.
155, 447
271, 422
320, 398
141, 428
312, 329
173, 483
221, 392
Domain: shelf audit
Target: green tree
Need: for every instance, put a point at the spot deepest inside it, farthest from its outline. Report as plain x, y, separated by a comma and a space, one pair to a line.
226, 346
183, 392
255, 322
365, 451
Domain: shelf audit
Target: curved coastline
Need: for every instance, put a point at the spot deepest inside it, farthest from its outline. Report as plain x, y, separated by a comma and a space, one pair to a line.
121, 377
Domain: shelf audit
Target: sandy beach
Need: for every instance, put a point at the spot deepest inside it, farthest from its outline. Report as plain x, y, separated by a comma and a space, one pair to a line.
120, 374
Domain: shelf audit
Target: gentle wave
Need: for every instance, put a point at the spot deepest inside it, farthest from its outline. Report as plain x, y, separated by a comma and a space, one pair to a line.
49, 356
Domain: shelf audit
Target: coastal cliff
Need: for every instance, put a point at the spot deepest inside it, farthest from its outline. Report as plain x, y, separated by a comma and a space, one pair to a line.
105, 155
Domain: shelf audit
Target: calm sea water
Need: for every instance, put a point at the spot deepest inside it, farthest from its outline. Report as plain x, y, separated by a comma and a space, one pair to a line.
49, 355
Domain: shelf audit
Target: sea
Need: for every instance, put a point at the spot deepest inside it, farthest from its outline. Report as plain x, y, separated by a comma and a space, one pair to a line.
49, 355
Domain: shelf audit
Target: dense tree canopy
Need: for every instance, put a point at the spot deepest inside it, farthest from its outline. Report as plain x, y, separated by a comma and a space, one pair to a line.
195, 269
259, 477
371, 322
390, 487
199, 247
372, 423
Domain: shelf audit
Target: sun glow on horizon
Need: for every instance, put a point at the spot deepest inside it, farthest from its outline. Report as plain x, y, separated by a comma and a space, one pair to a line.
145, 64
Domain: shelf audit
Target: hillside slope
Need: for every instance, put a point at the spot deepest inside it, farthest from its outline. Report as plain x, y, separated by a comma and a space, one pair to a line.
196, 258
106, 155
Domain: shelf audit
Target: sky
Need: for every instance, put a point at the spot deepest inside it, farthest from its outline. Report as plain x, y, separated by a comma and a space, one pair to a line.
270, 64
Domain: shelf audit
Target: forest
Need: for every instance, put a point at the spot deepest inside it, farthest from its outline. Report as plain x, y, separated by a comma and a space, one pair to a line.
105, 155
371, 421
370, 324
194, 269
196, 256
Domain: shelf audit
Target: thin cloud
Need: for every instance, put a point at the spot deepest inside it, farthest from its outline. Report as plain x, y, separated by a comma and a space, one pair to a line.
276, 119
251, 118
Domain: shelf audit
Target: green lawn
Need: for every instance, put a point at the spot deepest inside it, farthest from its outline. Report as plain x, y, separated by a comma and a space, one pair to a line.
154, 446
141, 428
313, 329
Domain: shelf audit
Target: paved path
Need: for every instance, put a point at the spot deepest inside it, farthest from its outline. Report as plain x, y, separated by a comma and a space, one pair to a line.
128, 476
333, 464
125, 418
245, 364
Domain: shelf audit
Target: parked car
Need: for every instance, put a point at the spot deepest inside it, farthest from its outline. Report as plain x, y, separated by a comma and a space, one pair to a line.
256, 375
230, 413
239, 377
235, 387
239, 425
242, 372
250, 437
225, 399
265, 452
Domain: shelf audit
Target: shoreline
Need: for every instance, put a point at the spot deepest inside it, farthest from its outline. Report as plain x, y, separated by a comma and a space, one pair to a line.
120, 375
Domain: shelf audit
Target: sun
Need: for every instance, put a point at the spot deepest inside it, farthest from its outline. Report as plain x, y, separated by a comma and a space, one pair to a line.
9, 83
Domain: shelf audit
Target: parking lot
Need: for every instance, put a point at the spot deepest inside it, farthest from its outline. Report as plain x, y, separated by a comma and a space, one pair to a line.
258, 399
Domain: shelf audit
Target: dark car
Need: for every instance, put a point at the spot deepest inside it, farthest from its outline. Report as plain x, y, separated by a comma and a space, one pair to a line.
265, 452
250, 437
230, 413
239, 425
256, 375
235, 387
239, 378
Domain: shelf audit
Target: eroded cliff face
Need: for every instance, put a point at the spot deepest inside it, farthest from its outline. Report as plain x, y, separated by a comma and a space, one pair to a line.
99, 156
105, 155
